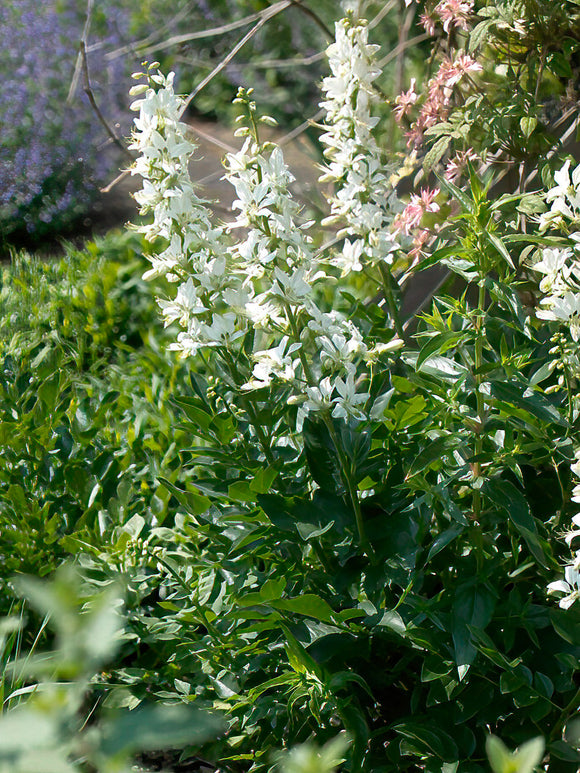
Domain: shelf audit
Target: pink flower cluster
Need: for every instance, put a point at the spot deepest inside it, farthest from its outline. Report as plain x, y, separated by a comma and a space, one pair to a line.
439, 92
419, 203
451, 13
410, 218
456, 165
404, 102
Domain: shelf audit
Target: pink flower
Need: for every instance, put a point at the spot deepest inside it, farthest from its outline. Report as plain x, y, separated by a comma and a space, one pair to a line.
419, 241
456, 165
428, 199
412, 215
454, 13
404, 101
464, 64
439, 92
428, 23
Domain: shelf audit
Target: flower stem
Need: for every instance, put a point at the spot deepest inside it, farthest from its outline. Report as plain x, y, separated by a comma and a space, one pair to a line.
390, 298
480, 402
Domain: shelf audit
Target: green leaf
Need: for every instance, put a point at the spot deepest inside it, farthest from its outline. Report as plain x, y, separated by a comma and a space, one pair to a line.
158, 727
473, 606
436, 152
194, 502
429, 740
308, 605
198, 416
564, 751
527, 124
532, 401
480, 34
501, 248
394, 621
435, 449
299, 659
456, 192
440, 367
241, 491
438, 344
263, 480
443, 540
513, 503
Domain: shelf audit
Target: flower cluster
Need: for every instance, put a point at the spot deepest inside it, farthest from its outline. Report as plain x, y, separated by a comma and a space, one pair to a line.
570, 585
564, 200
452, 14
440, 89
410, 218
264, 281
561, 273
364, 198
560, 284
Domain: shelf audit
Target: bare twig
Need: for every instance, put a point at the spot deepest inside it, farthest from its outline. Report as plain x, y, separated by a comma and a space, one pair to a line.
89, 92
298, 130
314, 16
403, 37
176, 40
299, 61
401, 47
119, 178
265, 17
214, 140
382, 13
79, 62
150, 39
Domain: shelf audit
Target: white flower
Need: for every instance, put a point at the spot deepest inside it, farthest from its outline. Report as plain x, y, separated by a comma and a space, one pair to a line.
571, 535
565, 309
223, 330
348, 403
570, 585
339, 350
185, 304
566, 188
319, 397
349, 258
274, 363
364, 196
554, 265
291, 288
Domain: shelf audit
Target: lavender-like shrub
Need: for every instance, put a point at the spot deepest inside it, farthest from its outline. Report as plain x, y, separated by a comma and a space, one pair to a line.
52, 152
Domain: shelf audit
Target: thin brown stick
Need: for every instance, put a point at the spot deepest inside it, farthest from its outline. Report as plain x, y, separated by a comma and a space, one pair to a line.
298, 130
119, 178
403, 37
239, 45
314, 16
401, 47
150, 39
176, 40
382, 13
79, 63
89, 92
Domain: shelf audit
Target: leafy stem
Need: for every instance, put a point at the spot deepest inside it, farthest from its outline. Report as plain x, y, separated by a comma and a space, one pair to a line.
390, 298
480, 401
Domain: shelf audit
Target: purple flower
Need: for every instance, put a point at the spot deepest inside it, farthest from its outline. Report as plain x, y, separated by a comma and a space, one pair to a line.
52, 158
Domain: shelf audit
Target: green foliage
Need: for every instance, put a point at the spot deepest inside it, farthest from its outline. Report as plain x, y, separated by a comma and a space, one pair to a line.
84, 415
51, 731
385, 576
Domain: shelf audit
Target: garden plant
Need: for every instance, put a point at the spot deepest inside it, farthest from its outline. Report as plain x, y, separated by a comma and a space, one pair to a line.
336, 492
